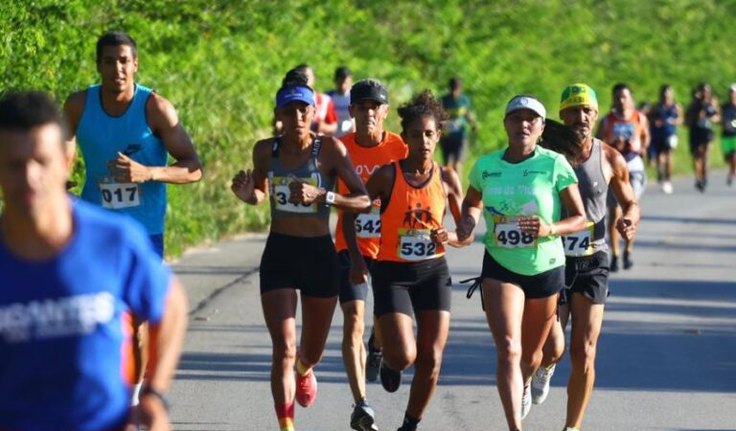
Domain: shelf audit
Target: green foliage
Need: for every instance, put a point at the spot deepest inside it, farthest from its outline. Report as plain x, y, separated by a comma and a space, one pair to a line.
220, 63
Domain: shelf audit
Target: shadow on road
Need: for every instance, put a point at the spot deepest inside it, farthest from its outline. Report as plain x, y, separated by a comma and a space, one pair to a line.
659, 332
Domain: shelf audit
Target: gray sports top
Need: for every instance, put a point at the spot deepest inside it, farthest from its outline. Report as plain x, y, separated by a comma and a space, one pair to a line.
594, 191
280, 177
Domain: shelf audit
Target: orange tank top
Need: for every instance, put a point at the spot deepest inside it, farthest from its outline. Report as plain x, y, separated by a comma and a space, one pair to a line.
616, 127
366, 161
408, 219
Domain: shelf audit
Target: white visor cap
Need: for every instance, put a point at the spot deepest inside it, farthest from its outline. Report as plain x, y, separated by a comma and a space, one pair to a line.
526, 102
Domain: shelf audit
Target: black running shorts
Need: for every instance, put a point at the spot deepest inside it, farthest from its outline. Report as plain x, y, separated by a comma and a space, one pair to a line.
400, 287
307, 264
587, 275
542, 285
348, 291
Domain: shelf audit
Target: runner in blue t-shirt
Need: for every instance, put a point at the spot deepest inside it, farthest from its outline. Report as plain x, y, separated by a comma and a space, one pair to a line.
65, 306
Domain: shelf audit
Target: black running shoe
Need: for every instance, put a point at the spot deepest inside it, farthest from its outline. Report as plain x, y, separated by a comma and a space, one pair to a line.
390, 379
373, 361
628, 262
363, 418
614, 264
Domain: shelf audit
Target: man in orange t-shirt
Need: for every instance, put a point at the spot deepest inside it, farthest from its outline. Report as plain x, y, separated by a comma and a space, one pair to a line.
358, 236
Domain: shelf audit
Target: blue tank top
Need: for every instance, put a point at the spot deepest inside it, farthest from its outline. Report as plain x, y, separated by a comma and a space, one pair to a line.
664, 113
279, 178
100, 137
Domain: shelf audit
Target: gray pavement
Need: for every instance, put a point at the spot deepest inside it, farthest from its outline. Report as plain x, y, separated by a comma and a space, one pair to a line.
666, 356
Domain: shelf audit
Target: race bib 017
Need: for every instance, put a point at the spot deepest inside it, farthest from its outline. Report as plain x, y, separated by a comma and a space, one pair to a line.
119, 195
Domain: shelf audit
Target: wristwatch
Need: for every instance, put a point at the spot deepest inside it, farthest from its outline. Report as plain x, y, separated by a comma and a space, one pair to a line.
329, 198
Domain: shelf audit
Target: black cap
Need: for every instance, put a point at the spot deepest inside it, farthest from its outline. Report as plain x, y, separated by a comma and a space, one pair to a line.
368, 89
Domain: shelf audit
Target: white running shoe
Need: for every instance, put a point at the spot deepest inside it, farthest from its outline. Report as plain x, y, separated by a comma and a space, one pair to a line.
526, 402
667, 187
540, 383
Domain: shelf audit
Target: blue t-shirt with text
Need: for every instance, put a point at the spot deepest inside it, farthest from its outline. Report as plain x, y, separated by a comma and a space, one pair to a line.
65, 325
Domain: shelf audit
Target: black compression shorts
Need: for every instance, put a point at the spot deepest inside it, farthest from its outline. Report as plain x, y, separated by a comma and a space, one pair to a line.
542, 285
348, 291
400, 287
307, 264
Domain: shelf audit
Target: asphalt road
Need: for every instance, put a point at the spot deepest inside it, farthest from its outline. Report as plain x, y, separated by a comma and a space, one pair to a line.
666, 358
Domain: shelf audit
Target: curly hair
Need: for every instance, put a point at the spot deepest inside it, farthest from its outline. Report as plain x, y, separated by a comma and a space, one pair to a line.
423, 104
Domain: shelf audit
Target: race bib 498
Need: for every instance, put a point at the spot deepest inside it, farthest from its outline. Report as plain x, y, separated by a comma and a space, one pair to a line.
507, 234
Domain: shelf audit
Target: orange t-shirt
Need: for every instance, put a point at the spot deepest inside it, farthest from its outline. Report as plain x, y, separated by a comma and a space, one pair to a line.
366, 161
408, 219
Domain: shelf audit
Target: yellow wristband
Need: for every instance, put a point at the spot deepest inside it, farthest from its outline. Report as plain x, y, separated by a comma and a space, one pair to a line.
552, 230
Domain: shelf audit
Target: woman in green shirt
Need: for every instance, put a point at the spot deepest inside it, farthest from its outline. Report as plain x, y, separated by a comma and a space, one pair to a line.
521, 191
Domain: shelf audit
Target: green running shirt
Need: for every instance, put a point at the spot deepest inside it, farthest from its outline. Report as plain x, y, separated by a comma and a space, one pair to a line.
509, 190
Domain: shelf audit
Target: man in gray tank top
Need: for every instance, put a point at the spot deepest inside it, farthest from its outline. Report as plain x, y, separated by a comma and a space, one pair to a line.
586, 268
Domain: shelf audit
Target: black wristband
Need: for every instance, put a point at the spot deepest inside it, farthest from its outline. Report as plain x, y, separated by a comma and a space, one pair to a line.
148, 390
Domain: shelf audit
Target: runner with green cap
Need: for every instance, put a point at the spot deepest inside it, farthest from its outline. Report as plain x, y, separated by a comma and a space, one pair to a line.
587, 262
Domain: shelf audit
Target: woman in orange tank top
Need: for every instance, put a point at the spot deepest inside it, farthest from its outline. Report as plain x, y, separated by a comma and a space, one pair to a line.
410, 274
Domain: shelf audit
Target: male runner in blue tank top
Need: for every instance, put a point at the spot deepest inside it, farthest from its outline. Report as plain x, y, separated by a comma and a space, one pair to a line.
587, 262
65, 305
126, 132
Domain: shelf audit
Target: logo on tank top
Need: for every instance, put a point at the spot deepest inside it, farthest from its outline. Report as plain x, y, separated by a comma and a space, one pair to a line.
132, 149
415, 238
418, 217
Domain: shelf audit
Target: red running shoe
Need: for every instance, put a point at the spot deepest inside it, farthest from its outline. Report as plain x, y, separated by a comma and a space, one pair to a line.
306, 389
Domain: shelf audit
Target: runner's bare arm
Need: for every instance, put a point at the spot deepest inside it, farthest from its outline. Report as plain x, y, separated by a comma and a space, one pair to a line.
573, 203
165, 124
166, 342
470, 212
645, 134
380, 183
453, 187
250, 185
625, 196
358, 267
73, 109
680, 118
357, 200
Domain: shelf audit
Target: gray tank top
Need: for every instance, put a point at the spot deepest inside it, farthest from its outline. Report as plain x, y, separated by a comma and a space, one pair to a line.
280, 177
594, 191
